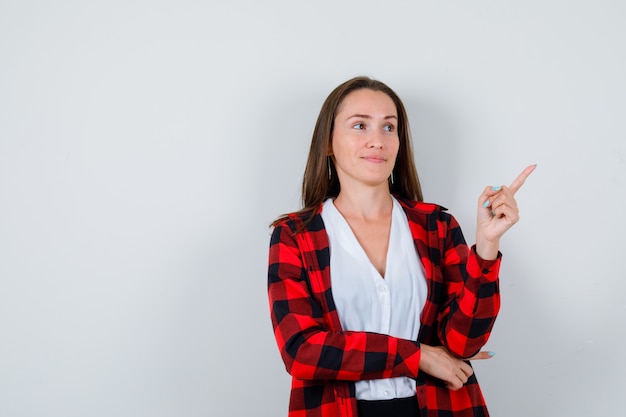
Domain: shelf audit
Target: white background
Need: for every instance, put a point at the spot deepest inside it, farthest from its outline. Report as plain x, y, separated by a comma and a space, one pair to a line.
145, 146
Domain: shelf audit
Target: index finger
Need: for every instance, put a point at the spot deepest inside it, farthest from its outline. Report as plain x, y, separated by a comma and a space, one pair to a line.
482, 355
519, 181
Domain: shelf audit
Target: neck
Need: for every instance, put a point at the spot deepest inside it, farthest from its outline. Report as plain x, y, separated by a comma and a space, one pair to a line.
366, 203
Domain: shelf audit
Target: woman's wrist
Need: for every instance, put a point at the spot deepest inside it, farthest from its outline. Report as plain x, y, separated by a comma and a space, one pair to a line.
487, 249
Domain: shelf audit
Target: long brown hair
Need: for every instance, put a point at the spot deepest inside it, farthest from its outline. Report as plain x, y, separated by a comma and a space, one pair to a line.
316, 185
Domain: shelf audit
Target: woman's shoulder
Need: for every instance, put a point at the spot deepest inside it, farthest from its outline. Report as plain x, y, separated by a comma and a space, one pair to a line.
299, 220
420, 206
429, 215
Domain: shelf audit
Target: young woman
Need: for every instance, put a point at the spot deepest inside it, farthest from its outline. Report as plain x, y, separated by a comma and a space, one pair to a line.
377, 302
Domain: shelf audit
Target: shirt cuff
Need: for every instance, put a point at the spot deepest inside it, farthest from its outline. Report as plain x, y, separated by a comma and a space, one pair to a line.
479, 267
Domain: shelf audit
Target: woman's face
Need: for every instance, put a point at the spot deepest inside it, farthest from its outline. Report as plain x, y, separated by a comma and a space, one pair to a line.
365, 139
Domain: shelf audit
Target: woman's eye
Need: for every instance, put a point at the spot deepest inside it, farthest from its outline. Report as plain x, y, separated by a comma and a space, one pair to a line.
359, 126
390, 128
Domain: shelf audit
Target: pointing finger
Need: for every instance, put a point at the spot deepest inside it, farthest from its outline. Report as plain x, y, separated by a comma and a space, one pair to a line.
519, 181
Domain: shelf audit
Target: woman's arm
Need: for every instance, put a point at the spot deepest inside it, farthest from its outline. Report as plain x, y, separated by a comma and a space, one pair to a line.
471, 275
309, 349
472, 302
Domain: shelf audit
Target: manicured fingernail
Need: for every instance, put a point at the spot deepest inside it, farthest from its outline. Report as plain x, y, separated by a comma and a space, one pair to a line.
491, 353
493, 213
496, 188
486, 204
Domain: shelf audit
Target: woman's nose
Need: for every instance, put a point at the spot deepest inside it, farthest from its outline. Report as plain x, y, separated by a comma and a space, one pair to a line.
375, 141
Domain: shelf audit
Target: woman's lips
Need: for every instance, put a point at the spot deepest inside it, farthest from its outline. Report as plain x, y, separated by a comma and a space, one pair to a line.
374, 159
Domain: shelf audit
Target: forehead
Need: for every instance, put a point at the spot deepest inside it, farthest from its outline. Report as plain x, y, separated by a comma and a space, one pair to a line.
369, 102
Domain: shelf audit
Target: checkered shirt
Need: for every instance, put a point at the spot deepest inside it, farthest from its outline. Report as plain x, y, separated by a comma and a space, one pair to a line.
324, 360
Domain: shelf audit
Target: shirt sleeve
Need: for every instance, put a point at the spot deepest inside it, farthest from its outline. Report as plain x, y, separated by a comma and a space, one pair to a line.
473, 296
309, 349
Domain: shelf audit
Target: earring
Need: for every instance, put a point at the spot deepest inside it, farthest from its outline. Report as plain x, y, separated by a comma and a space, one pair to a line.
329, 171
391, 177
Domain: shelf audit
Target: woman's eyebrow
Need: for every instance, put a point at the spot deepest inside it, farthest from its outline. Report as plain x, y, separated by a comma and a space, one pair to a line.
367, 116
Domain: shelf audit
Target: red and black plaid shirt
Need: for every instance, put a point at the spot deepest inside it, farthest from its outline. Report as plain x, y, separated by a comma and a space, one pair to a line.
324, 360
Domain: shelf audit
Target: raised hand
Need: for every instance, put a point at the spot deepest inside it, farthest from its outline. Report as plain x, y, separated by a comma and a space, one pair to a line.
497, 212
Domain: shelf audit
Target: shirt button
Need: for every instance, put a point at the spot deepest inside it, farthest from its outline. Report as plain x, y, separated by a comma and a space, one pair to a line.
386, 393
383, 289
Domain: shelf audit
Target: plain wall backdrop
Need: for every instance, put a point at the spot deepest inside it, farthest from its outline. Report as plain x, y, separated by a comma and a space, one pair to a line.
146, 146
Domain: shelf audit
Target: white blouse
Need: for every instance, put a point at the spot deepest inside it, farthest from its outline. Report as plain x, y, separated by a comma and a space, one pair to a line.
366, 301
